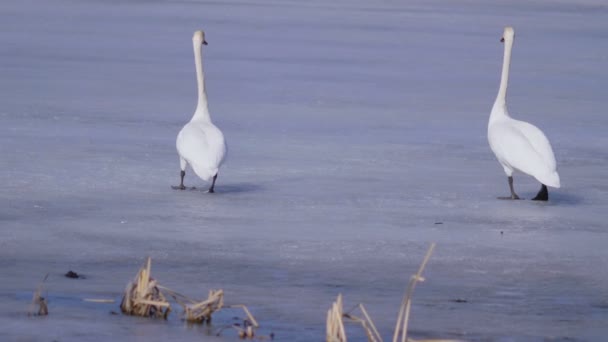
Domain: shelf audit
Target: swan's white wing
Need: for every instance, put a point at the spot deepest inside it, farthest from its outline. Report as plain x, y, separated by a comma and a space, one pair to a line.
524, 150
539, 142
202, 145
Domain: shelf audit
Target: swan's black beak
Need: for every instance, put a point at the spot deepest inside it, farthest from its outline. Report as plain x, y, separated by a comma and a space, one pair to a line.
502, 40
205, 42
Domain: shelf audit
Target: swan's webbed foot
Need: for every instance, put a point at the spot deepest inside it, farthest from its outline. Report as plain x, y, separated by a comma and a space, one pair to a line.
181, 187
543, 194
181, 183
512, 197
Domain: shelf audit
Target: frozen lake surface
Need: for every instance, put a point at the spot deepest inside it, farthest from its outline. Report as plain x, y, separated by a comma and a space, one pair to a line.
354, 128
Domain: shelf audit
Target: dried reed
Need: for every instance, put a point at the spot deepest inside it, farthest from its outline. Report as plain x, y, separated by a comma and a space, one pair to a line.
335, 325
335, 315
201, 311
404, 311
39, 301
143, 297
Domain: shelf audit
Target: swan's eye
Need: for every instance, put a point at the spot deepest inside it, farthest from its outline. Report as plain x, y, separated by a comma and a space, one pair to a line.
502, 40
205, 42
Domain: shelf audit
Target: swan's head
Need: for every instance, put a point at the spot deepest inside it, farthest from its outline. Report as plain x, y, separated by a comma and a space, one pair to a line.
199, 37
508, 34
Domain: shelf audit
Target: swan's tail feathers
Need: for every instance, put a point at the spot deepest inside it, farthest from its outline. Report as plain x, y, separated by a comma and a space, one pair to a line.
204, 172
550, 179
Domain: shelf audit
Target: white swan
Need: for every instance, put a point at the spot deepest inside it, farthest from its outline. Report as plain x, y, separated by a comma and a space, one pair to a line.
200, 143
519, 145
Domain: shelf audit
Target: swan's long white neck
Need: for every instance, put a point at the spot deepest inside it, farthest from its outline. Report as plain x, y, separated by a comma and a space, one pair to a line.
500, 105
202, 109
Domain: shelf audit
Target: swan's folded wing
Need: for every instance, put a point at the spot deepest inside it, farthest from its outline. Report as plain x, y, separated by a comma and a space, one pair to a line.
217, 146
514, 149
538, 141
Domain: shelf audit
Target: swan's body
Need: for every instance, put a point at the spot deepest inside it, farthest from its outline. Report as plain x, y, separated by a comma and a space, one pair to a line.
200, 143
519, 145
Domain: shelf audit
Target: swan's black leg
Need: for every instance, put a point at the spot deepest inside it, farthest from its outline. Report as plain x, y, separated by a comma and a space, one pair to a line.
211, 189
182, 174
513, 194
543, 194
181, 183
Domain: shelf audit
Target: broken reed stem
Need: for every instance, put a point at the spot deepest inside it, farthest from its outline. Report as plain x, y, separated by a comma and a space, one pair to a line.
98, 300
200, 312
371, 323
368, 325
38, 300
335, 323
335, 326
404, 311
368, 332
247, 312
247, 332
178, 297
143, 296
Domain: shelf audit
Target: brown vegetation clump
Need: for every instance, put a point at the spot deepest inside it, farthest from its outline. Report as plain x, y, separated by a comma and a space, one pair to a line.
202, 311
143, 297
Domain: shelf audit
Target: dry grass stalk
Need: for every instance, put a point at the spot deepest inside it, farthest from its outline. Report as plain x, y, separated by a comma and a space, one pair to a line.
335, 315
335, 323
143, 297
98, 300
249, 324
39, 302
335, 326
198, 311
404, 311
366, 323
246, 332
201, 312
250, 319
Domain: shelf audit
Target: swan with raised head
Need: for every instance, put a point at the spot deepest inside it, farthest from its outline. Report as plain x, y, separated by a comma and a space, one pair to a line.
200, 143
519, 145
